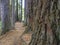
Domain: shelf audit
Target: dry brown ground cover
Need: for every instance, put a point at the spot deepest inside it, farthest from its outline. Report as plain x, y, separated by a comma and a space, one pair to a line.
13, 36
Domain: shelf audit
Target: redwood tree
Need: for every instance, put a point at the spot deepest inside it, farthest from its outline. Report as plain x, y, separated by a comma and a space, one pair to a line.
46, 18
5, 17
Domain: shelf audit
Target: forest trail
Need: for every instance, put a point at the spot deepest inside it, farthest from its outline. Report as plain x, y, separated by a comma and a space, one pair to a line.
13, 37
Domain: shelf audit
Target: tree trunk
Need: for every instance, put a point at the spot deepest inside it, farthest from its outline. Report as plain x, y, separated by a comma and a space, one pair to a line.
26, 13
13, 14
46, 17
0, 9
5, 17
25, 16
21, 12
16, 10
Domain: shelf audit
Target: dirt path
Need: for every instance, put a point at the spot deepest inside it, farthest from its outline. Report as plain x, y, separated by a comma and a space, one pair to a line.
11, 37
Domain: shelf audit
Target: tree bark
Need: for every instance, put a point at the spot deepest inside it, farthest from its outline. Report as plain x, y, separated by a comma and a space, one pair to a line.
46, 20
5, 17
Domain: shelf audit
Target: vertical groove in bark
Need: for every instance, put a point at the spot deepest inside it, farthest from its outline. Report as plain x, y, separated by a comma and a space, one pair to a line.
46, 22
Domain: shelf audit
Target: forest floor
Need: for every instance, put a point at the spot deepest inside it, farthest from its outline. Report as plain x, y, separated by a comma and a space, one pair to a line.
13, 36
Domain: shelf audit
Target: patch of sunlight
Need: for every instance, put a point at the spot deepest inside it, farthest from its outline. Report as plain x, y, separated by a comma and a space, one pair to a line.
22, 17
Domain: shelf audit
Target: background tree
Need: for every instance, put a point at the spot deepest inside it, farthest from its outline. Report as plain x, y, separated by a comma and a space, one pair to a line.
20, 9
13, 14
16, 10
25, 12
0, 9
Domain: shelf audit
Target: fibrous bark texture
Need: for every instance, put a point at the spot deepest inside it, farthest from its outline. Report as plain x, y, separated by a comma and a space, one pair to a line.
46, 22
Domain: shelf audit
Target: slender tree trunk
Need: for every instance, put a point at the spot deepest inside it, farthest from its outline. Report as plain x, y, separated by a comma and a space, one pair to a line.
21, 10
17, 10
46, 22
13, 14
0, 9
26, 12
20, 18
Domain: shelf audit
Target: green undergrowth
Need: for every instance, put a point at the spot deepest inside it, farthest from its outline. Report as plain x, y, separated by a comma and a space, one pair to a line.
0, 27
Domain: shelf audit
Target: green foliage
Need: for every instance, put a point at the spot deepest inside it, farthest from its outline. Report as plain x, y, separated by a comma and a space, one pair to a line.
0, 27
0, 24
19, 14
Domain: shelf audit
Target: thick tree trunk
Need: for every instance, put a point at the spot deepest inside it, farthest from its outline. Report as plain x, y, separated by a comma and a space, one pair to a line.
46, 19
30, 15
5, 17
